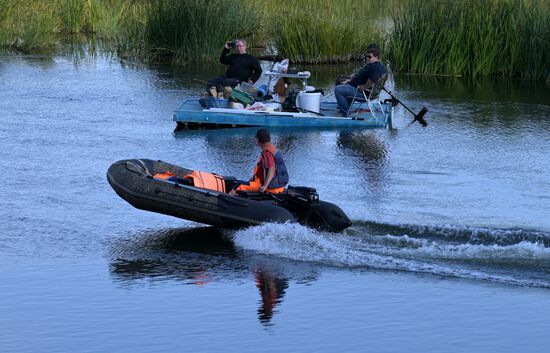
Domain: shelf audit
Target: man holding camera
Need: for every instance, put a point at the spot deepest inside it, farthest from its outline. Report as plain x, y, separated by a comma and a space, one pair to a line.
243, 67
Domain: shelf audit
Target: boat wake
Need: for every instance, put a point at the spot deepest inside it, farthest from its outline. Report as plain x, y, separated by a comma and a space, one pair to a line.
516, 256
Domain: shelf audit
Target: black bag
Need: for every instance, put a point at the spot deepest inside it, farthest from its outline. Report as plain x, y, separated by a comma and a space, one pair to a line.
289, 104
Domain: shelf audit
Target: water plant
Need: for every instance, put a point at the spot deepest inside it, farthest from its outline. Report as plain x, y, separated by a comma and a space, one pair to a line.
472, 38
195, 30
74, 15
323, 31
430, 37
27, 24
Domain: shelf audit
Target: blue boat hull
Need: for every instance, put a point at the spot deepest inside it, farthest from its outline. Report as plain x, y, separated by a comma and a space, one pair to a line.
192, 114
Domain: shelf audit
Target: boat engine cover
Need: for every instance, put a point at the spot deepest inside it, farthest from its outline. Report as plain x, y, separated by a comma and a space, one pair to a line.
303, 194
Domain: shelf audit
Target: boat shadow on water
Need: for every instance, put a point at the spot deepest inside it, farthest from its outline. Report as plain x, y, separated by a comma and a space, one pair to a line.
202, 256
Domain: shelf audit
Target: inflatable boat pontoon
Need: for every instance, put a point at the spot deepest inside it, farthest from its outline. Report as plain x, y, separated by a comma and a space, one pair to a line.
165, 188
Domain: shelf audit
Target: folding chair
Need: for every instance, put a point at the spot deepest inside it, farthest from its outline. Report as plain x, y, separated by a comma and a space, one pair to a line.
371, 97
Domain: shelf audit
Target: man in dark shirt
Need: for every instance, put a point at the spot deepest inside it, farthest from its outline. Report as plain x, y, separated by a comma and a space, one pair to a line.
243, 67
364, 79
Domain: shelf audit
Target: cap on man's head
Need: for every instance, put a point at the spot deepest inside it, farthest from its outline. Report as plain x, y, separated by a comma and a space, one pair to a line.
373, 49
263, 136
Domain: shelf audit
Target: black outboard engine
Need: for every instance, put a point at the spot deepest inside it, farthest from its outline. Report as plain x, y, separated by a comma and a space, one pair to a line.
304, 202
302, 194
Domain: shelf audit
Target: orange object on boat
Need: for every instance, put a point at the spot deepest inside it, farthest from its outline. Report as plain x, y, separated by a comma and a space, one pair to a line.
164, 176
206, 180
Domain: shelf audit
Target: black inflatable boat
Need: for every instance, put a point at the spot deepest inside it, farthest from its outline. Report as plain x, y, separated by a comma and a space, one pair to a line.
165, 188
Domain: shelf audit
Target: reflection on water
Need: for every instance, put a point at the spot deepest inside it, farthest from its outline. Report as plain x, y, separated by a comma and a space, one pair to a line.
272, 289
485, 89
43, 62
235, 150
371, 153
466, 198
367, 146
158, 255
199, 257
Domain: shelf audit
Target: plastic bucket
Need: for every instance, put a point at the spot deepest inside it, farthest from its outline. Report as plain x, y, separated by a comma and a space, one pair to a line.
309, 101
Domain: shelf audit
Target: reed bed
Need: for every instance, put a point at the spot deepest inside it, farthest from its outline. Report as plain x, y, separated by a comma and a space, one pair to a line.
315, 31
472, 38
196, 30
320, 31
29, 25
429, 37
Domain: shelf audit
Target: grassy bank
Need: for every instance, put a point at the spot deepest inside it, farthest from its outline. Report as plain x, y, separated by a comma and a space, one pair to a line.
39, 26
472, 38
430, 37
316, 31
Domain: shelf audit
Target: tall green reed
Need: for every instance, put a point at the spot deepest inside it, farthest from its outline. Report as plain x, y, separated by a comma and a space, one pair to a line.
431, 37
321, 31
27, 24
195, 30
472, 38
74, 15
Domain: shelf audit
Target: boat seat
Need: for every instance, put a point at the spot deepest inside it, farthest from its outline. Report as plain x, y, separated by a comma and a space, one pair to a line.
371, 97
255, 195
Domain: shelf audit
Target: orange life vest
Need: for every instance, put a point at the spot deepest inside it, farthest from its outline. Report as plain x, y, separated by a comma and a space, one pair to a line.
207, 180
280, 179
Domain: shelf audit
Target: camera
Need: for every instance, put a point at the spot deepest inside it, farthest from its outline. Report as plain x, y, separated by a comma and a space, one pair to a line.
232, 44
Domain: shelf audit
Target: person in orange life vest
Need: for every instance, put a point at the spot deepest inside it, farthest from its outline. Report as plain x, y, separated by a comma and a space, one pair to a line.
270, 173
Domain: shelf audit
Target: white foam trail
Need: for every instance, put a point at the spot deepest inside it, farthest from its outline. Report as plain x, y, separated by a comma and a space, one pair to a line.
473, 234
525, 250
300, 243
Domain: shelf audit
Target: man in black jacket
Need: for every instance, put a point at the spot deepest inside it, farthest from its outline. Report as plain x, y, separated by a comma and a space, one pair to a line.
364, 79
243, 67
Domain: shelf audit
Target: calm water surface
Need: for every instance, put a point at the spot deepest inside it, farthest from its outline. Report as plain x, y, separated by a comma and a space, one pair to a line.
449, 250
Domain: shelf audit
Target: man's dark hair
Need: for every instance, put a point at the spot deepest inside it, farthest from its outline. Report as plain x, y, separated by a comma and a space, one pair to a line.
263, 136
374, 51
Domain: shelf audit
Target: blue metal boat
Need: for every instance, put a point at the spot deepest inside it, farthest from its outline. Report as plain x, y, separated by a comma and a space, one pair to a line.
192, 115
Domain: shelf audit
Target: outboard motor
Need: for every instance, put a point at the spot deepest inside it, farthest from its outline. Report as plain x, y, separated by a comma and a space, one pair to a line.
302, 194
305, 204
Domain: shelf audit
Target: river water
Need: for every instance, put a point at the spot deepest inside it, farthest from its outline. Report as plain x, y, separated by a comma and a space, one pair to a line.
449, 248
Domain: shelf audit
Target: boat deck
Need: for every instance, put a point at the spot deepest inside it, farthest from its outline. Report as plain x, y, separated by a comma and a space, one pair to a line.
192, 114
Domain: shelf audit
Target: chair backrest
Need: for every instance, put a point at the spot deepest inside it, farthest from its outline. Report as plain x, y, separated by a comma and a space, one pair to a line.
377, 88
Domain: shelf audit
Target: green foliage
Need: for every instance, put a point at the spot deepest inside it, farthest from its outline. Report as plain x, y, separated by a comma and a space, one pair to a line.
74, 15
323, 31
472, 38
429, 37
196, 30
26, 24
